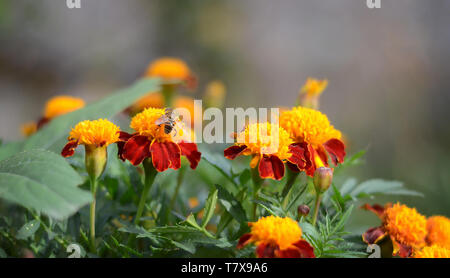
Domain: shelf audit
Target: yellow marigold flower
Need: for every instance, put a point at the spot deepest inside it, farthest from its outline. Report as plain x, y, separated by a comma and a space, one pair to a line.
28, 128
60, 105
99, 132
171, 70
438, 231
308, 125
267, 148
144, 124
154, 100
314, 86
433, 251
405, 225
277, 237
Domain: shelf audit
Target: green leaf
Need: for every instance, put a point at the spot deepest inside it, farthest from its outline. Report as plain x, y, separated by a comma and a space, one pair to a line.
53, 135
191, 221
43, 181
210, 206
220, 164
379, 186
231, 204
3, 253
28, 229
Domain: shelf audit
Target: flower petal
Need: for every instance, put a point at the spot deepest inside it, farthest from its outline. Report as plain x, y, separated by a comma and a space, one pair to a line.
69, 148
300, 155
300, 249
123, 138
264, 250
376, 208
191, 152
165, 155
374, 235
244, 240
336, 149
271, 167
401, 250
233, 151
136, 149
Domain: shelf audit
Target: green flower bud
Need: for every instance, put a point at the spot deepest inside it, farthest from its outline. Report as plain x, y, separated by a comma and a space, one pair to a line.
323, 176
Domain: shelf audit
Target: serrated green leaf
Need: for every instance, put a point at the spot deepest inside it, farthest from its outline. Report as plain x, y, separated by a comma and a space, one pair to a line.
379, 186
210, 206
231, 204
43, 181
28, 229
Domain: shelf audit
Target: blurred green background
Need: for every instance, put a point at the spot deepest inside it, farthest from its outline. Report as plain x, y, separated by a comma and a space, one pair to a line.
388, 68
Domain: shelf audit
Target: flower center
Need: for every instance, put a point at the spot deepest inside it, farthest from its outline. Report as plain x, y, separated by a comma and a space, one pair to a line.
276, 230
99, 132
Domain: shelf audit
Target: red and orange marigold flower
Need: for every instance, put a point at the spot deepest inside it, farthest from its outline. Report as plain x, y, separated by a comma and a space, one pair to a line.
406, 228
431, 252
150, 141
315, 139
438, 228
277, 237
172, 71
268, 145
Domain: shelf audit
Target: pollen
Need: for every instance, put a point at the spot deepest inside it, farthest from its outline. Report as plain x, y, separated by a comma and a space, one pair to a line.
308, 125
265, 138
99, 132
433, 251
60, 105
406, 225
438, 231
314, 87
169, 68
275, 230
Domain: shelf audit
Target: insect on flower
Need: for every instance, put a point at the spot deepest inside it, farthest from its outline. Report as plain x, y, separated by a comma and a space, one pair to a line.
168, 121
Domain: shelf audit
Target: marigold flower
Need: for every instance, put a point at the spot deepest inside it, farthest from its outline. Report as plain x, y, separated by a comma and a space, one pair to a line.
405, 226
431, 252
438, 228
60, 105
269, 149
150, 140
171, 70
97, 133
28, 129
315, 138
277, 237
215, 94
193, 202
314, 86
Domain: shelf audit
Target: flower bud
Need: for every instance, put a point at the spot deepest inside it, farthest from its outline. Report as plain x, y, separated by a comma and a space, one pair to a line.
95, 160
323, 176
303, 210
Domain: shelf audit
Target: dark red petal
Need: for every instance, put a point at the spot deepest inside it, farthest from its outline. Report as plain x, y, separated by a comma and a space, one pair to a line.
301, 249
42, 122
312, 153
265, 251
69, 148
271, 167
165, 155
233, 151
244, 240
298, 155
136, 149
404, 251
336, 149
377, 209
124, 136
374, 235
191, 152
292, 167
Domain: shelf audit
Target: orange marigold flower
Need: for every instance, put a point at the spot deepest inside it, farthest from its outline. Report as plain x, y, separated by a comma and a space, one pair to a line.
269, 146
28, 128
151, 140
193, 202
314, 86
438, 228
405, 226
277, 237
315, 138
431, 252
60, 105
172, 71
97, 133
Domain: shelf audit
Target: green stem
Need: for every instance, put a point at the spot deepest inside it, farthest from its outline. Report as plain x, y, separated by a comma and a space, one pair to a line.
257, 182
150, 174
180, 179
316, 208
291, 178
92, 215
168, 92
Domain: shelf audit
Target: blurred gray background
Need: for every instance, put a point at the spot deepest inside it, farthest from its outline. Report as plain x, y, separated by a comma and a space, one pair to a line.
388, 68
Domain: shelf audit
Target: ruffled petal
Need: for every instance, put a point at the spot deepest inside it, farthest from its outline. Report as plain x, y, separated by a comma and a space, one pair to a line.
123, 138
244, 240
300, 249
300, 155
191, 152
165, 155
136, 149
271, 167
336, 149
69, 148
376, 208
374, 235
264, 250
233, 151
401, 250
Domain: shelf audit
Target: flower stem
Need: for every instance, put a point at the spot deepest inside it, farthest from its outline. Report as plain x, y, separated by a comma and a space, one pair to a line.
92, 215
257, 182
168, 92
316, 208
291, 178
150, 174
180, 179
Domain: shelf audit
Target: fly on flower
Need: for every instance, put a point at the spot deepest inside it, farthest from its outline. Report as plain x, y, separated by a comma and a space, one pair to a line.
277, 237
150, 140
315, 140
